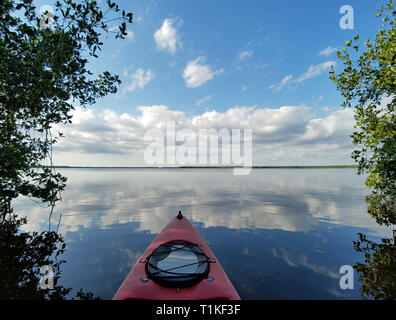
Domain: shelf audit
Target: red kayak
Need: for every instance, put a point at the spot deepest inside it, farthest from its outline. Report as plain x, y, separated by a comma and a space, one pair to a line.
177, 265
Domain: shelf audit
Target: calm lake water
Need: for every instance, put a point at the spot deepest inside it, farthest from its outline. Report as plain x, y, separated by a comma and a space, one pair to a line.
278, 233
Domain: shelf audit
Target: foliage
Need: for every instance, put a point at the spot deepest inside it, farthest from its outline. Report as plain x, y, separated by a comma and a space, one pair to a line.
368, 83
43, 69
378, 273
22, 254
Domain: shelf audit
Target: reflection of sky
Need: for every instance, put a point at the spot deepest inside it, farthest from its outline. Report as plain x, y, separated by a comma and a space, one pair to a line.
273, 229
290, 200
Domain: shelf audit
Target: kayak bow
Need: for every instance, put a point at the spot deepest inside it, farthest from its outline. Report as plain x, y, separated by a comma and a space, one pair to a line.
177, 265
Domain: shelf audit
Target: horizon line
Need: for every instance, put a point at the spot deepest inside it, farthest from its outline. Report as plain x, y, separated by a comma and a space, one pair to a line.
204, 167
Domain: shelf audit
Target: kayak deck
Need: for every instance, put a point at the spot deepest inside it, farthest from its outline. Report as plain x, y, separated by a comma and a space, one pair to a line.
215, 285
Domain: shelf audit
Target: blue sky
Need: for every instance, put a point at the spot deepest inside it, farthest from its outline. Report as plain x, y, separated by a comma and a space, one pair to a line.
201, 58
283, 37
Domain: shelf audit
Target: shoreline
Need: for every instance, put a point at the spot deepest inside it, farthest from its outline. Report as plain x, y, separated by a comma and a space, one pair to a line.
209, 167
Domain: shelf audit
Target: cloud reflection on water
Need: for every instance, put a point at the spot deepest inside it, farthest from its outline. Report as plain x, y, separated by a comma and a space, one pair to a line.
285, 199
279, 233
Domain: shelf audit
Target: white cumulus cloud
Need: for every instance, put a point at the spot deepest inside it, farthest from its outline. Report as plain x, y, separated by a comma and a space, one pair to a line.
166, 37
289, 135
140, 79
196, 73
